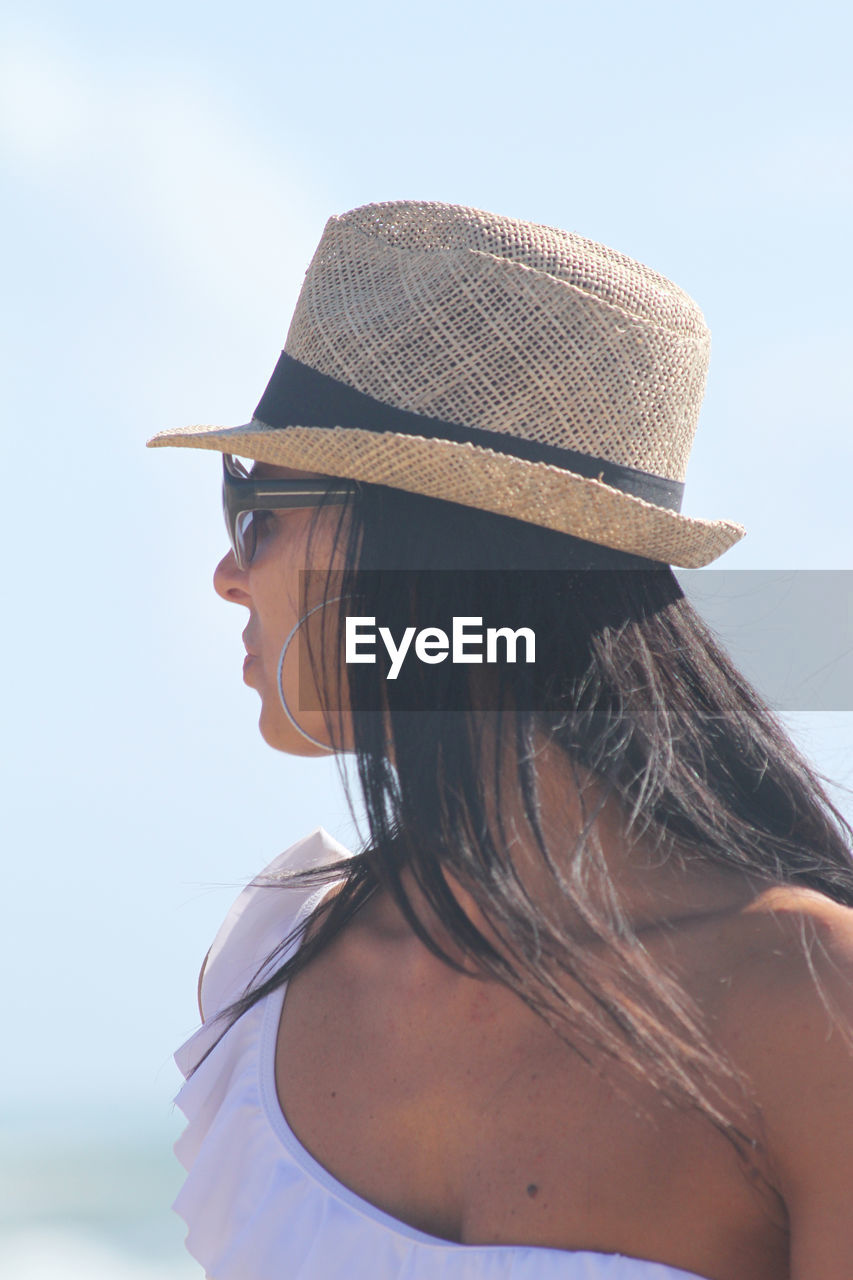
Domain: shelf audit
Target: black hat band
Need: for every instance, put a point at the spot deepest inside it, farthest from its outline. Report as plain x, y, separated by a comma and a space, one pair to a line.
298, 396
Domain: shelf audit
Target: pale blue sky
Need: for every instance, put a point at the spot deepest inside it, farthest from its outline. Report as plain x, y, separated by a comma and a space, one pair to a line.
167, 171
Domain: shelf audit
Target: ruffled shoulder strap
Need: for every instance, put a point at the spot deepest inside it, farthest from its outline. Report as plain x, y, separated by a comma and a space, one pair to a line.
261, 916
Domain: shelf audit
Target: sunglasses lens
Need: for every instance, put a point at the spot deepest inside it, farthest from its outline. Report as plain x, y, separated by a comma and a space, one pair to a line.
245, 536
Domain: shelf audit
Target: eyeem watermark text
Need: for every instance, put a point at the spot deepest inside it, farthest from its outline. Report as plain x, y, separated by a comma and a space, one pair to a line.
432, 644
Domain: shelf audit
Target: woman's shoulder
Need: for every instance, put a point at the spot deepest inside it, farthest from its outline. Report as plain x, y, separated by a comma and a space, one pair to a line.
787, 1020
788, 944
784, 960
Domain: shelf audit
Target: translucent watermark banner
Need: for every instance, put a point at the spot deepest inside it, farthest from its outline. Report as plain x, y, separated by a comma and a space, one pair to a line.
790, 632
425, 640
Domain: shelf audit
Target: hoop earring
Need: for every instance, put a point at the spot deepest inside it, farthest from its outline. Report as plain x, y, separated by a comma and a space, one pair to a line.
281, 698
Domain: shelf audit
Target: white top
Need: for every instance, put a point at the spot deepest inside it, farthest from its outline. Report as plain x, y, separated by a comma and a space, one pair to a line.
257, 1205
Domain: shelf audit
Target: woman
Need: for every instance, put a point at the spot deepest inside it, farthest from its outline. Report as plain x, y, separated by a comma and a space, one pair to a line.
582, 1004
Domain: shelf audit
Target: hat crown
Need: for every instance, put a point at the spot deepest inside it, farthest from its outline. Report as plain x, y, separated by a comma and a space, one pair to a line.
586, 264
508, 326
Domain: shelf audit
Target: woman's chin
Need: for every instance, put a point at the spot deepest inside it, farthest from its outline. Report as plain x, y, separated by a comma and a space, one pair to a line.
277, 732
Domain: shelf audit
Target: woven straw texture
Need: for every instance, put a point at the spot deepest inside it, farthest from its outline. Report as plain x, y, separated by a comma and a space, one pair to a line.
510, 327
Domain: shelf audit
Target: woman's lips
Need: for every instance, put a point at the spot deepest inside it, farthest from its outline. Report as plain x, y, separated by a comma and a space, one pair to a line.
250, 653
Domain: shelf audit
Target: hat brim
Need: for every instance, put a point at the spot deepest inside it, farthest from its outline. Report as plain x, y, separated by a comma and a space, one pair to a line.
476, 476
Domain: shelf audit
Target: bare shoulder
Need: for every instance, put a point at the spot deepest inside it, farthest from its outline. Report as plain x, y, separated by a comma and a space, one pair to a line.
791, 954
789, 1025
785, 962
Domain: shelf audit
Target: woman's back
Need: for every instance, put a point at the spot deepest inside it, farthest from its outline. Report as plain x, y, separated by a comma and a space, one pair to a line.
423, 1106
447, 1103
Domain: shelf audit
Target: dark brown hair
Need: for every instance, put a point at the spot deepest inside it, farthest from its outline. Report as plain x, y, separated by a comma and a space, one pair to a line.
635, 690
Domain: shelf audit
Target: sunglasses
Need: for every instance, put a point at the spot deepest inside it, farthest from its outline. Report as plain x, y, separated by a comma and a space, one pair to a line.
243, 496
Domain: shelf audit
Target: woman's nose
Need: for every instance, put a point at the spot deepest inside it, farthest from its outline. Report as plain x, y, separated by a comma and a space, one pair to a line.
229, 582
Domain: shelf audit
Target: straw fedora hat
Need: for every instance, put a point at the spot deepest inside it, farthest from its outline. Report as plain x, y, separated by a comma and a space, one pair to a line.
495, 363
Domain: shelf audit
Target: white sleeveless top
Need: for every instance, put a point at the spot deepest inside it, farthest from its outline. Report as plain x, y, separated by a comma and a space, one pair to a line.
257, 1205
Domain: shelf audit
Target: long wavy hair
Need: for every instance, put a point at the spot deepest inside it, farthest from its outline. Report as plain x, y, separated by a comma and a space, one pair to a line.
648, 710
